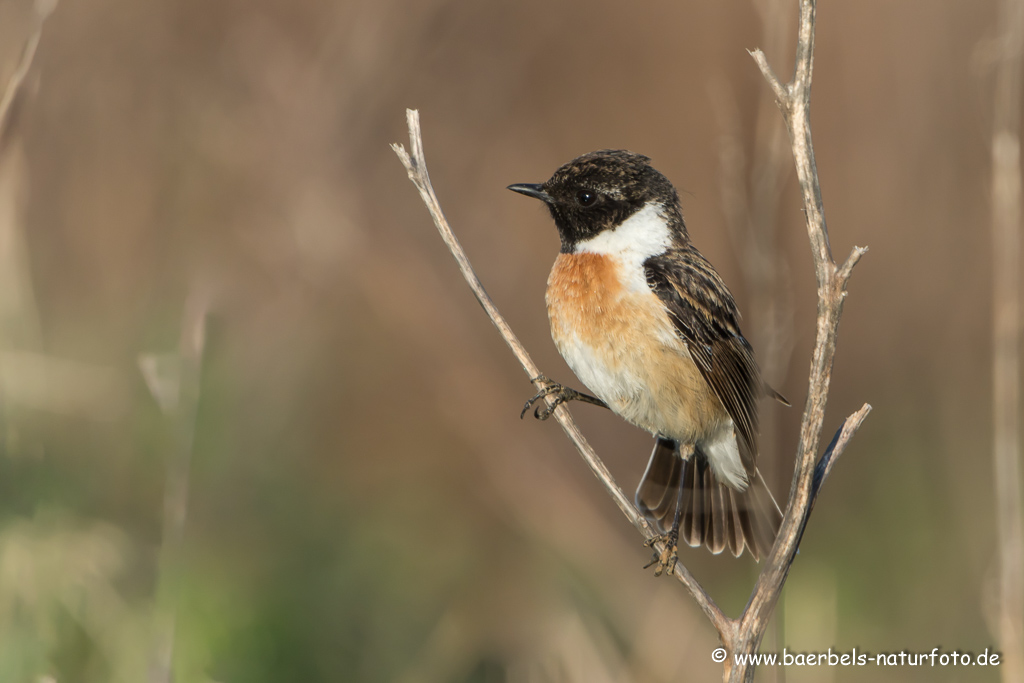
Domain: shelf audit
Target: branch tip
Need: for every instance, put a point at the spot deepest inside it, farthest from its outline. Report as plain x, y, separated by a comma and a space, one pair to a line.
782, 96
835, 449
403, 156
847, 268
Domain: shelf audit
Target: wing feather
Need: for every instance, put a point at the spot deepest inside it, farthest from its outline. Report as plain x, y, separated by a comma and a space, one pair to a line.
707, 320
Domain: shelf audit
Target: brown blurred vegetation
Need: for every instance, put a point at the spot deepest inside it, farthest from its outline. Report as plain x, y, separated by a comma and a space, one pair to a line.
365, 504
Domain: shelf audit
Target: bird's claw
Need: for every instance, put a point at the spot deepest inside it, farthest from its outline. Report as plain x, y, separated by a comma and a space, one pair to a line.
549, 388
667, 558
561, 394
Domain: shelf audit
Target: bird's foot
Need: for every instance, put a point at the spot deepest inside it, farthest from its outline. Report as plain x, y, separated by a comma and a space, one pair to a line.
667, 558
560, 394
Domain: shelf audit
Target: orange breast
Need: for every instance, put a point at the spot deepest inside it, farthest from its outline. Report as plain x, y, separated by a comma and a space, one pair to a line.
585, 295
617, 337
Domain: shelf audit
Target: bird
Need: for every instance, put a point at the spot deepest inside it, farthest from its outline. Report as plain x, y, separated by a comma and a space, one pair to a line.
649, 326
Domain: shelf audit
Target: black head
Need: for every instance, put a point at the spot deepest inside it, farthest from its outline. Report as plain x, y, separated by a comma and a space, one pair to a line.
599, 190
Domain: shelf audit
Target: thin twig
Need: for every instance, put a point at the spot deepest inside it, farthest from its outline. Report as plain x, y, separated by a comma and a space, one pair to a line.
836, 448
1006, 219
416, 165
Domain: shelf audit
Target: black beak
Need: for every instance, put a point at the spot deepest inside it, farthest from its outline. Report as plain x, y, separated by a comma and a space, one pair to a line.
532, 190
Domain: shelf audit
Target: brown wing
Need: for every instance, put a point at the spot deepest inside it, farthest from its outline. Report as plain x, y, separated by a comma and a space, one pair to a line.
706, 318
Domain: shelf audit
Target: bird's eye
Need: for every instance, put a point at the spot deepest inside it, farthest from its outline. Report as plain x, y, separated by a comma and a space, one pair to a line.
586, 198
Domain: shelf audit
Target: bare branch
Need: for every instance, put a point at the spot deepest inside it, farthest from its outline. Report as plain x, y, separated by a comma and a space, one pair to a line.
780, 90
794, 102
416, 165
836, 448
847, 268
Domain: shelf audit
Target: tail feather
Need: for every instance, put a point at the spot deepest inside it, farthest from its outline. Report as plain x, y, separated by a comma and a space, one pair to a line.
713, 514
708, 510
768, 516
732, 522
656, 497
693, 526
721, 532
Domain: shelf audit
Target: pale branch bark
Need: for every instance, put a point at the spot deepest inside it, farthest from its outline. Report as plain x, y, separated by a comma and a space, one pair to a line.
794, 100
1006, 226
742, 635
416, 164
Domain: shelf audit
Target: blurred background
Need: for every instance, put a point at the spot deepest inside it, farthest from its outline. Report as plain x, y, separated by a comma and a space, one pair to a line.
256, 428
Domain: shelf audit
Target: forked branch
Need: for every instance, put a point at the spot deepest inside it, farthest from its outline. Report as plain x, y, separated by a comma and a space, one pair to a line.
794, 100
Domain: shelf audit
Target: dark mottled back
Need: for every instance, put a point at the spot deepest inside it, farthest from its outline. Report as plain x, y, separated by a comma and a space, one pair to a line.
599, 190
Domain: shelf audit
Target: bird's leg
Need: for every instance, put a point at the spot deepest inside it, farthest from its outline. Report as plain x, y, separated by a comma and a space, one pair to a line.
561, 395
667, 558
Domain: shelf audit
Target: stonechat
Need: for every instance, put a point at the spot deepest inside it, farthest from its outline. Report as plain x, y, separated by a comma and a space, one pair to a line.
647, 324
